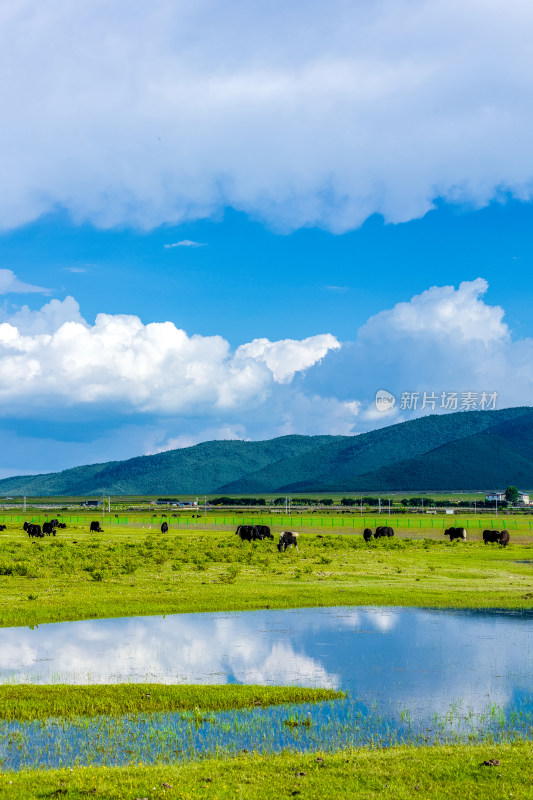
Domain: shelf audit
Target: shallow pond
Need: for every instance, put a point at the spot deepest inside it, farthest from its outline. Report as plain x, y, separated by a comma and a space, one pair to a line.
411, 675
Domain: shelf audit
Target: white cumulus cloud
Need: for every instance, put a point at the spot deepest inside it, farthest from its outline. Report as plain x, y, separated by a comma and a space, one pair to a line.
54, 356
45, 320
286, 357
299, 113
446, 339
443, 313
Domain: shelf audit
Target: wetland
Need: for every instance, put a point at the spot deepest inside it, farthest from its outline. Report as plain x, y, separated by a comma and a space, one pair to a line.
107, 664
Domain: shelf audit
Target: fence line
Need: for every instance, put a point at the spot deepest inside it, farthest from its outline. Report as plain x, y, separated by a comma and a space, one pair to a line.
188, 522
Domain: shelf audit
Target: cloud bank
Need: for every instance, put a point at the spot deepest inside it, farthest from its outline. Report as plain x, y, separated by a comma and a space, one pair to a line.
298, 114
53, 357
159, 387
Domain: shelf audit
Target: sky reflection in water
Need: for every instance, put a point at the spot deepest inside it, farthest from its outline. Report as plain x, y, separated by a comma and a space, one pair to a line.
412, 674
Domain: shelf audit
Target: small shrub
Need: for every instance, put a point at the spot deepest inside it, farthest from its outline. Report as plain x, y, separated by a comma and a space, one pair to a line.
230, 576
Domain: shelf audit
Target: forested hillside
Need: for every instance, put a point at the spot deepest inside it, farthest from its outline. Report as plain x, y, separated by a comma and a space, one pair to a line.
467, 450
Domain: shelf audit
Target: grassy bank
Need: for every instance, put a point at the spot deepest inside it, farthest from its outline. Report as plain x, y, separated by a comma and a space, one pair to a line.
26, 702
401, 773
78, 575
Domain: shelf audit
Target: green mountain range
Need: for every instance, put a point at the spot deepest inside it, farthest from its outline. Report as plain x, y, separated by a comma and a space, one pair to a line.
461, 451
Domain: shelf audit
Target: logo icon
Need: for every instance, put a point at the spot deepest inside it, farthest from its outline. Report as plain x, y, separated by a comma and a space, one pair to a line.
384, 400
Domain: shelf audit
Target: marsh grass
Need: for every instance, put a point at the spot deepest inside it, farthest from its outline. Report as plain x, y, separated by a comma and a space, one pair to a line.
26, 702
198, 733
125, 572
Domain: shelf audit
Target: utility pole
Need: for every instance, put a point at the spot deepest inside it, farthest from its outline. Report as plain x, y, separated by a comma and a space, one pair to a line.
24, 509
379, 504
205, 508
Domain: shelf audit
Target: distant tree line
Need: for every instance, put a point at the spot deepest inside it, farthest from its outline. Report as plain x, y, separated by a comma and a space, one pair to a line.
406, 502
364, 501
238, 501
430, 502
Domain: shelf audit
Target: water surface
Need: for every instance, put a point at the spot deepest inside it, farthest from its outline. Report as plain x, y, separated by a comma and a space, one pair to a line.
411, 675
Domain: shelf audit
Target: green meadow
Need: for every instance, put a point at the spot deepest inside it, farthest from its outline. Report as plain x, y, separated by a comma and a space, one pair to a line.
134, 570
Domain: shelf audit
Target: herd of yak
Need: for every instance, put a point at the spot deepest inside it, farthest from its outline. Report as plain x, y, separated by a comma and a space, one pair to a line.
252, 533
48, 529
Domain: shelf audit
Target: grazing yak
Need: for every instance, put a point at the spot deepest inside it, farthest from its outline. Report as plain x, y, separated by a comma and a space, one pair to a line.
49, 529
383, 530
95, 527
287, 539
33, 530
496, 537
3, 527
248, 533
504, 538
367, 534
264, 532
456, 533
164, 527
61, 524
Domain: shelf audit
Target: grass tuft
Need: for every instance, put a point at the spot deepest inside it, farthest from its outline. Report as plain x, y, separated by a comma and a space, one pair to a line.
27, 702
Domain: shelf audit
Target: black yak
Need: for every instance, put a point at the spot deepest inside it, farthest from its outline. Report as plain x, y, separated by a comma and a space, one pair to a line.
367, 534
456, 533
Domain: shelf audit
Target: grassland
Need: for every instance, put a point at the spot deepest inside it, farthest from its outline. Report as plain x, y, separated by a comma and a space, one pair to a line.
26, 702
402, 773
128, 571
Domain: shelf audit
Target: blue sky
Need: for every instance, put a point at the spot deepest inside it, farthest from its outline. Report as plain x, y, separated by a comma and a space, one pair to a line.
242, 222
246, 280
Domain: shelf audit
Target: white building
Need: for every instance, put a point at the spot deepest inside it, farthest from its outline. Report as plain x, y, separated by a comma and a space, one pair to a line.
523, 498
492, 496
